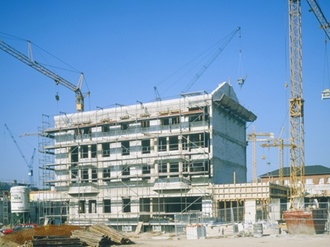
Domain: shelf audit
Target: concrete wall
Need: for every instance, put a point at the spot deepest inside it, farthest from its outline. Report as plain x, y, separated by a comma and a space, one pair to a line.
229, 148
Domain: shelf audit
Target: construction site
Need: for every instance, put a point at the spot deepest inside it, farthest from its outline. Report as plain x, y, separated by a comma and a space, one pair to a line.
176, 166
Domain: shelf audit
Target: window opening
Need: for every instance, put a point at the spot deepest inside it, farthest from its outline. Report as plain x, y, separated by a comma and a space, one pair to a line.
161, 144
92, 206
126, 205
146, 146
106, 149
106, 174
83, 151
125, 149
106, 206
93, 150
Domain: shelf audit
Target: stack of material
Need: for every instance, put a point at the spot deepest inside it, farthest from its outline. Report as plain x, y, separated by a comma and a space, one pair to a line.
44, 241
115, 236
93, 239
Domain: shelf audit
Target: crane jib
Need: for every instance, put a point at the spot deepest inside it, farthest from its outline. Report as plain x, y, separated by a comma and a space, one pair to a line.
58, 79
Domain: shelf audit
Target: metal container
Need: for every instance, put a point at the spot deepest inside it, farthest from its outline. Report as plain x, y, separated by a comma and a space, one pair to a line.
308, 221
19, 199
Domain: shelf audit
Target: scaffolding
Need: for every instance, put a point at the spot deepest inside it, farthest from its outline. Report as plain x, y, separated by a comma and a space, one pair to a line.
46, 156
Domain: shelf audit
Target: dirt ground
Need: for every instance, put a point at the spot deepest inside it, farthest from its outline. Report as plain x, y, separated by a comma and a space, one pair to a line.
171, 240
271, 241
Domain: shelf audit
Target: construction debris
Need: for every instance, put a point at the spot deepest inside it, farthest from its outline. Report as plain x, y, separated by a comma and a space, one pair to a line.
114, 235
46, 241
93, 239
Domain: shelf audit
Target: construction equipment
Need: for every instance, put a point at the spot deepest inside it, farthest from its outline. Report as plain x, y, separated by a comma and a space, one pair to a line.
158, 98
298, 219
278, 142
325, 25
29, 164
252, 137
58, 79
296, 110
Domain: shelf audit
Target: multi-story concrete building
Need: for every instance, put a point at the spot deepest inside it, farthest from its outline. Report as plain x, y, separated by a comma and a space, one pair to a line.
149, 161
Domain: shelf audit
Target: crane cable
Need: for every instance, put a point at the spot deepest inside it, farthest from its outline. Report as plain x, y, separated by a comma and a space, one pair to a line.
218, 51
213, 52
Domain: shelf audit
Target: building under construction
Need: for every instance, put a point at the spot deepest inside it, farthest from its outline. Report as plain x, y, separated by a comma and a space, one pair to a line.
152, 164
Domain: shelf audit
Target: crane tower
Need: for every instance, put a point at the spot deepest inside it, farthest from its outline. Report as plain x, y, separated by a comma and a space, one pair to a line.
296, 111
297, 154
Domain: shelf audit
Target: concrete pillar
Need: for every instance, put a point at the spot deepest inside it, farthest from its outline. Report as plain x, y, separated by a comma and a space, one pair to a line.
250, 210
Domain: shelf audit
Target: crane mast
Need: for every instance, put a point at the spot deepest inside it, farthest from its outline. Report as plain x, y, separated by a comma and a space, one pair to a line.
58, 79
296, 111
297, 155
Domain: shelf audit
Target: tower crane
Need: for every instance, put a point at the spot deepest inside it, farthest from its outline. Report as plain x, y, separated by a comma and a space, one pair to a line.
296, 111
278, 142
252, 137
58, 79
296, 106
29, 164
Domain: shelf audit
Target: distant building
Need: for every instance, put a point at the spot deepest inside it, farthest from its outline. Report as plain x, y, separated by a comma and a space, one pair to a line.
317, 181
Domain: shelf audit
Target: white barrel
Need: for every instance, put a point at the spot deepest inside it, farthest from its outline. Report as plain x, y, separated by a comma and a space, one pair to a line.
19, 199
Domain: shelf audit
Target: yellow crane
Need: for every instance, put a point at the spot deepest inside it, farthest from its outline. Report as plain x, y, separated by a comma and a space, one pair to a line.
279, 143
296, 106
252, 137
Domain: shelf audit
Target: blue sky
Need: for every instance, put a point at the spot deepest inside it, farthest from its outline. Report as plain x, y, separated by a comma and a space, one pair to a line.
125, 48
